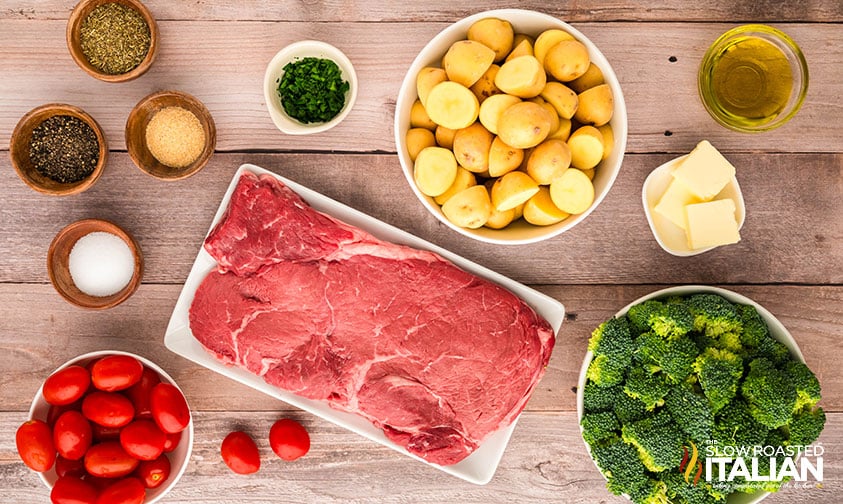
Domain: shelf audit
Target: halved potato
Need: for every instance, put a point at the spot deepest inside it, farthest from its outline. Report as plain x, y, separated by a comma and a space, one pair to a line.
555, 120
463, 180
563, 98
419, 117
563, 132
524, 125
541, 211
548, 39
596, 105
522, 46
503, 158
469, 208
426, 79
592, 77
485, 86
496, 34
471, 147
608, 139
417, 139
500, 219
548, 161
435, 170
445, 137
567, 60
452, 105
586, 147
523, 77
572, 192
512, 189
492, 108
466, 61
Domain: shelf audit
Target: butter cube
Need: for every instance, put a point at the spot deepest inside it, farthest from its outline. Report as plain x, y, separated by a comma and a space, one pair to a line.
711, 224
705, 172
672, 203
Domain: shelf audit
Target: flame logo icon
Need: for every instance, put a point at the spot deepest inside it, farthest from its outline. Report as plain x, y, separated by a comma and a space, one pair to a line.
690, 463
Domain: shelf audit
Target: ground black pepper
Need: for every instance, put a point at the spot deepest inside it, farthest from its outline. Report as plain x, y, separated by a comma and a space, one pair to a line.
114, 38
64, 148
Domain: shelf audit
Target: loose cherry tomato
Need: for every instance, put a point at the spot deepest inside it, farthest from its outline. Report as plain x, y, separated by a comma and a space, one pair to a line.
140, 392
67, 467
70, 490
288, 439
173, 440
240, 453
109, 460
55, 412
105, 433
124, 491
169, 408
143, 440
108, 409
34, 441
153, 473
66, 386
116, 372
72, 435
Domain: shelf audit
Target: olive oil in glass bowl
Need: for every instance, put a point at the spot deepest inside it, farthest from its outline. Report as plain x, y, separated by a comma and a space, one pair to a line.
753, 78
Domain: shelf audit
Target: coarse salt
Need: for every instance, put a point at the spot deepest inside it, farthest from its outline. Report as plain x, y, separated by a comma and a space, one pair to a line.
101, 264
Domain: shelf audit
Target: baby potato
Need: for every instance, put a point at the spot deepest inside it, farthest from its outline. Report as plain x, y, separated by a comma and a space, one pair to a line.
563, 132
519, 212
521, 47
492, 108
512, 189
572, 192
435, 170
563, 98
567, 60
452, 105
466, 61
524, 125
500, 219
426, 79
469, 208
596, 105
445, 137
523, 77
592, 77
463, 180
471, 147
608, 139
548, 39
503, 158
496, 34
588, 173
485, 86
419, 117
417, 139
554, 117
586, 148
540, 210
548, 161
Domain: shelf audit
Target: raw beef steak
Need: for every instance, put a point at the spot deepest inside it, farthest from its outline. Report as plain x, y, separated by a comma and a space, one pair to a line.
436, 357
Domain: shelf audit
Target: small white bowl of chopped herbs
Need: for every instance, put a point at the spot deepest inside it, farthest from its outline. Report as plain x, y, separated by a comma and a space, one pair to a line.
309, 87
687, 377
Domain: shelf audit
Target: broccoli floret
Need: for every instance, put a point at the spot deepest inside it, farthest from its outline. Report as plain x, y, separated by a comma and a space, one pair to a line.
639, 315
691, 411
714, 315
681, 491
621, 466
735, 426
730, 341
806, 383
596, 398
773, 351
670, 321
629, 409
647, 387
770, 394
754, 328
673, 357
653, 492
612, 346
718, 372
658, 439
599, 426
806, 426
605, 372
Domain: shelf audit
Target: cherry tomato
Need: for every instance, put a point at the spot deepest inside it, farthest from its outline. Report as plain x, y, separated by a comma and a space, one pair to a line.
169, 408
34, 441
109, 460
70, 490
66, 385
105, 433
55, 412
153, 473
288, 439
139, 393
67, 467
124, 491
143, 440
108, 409
173, 440
72, 435
240, 453
116, 372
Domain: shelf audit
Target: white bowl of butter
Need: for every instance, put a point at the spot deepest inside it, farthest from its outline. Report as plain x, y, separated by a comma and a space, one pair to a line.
690, 206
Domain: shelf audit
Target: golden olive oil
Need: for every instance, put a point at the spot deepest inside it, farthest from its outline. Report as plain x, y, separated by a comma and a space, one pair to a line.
751, 80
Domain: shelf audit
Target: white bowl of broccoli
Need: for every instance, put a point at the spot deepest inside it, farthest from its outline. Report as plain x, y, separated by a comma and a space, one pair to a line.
689, 372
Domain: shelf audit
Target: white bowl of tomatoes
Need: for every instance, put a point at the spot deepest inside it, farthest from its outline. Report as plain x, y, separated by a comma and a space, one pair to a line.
108, 426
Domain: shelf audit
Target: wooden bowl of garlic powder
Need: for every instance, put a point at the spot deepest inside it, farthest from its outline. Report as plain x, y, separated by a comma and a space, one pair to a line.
170, 135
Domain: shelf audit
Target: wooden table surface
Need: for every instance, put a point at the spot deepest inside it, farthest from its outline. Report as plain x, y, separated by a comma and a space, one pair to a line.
790, 259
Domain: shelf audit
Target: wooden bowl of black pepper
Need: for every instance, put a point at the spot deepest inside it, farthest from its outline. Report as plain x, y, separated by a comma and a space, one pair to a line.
170, 135
58, 149
112, 40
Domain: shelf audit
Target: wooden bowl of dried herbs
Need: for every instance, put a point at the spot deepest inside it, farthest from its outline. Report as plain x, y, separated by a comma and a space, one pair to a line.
58, 149
112, 40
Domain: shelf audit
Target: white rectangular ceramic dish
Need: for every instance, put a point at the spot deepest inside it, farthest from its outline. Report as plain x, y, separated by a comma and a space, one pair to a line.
477, 468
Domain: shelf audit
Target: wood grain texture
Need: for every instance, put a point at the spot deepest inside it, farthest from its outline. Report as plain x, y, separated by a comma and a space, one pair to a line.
226, 70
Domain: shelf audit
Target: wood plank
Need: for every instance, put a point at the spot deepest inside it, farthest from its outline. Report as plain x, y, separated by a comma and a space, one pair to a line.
443, 10
545, 461
788, 237
225, 71
41, 331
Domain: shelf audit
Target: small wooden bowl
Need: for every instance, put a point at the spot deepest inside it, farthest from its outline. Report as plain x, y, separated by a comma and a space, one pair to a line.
20, 152
74, 25
58, 257
138, 120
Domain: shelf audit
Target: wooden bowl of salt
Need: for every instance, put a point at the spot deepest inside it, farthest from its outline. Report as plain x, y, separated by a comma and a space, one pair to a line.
94, 264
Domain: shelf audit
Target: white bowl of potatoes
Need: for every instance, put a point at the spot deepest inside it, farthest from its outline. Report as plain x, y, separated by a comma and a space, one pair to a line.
510, 126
